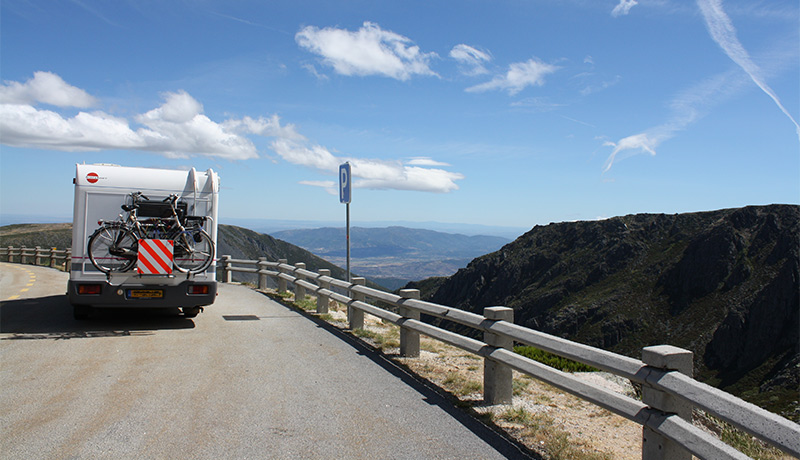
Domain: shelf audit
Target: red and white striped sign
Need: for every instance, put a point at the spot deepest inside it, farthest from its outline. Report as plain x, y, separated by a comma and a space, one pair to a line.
155, 257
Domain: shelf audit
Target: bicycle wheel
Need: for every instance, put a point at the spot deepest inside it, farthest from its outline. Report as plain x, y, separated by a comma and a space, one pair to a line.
113, 249
193, 250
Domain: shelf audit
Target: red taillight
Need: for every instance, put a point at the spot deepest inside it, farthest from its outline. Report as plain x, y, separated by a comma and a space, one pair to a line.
89, 289
198, 289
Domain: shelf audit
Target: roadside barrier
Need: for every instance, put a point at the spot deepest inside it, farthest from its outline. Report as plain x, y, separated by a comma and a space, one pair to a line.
53, 257
669, 393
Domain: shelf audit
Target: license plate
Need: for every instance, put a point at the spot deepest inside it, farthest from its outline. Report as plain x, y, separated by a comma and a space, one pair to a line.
145, 293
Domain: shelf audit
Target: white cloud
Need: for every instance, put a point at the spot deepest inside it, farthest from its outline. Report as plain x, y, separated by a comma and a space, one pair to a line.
298, 153
687, 107
331, 187
46, 88
519, 76
623, 8
471, 58
178, 128
382, 175
630, 146
722, 31
425, 161
590, 89
26, 126
692, 104
368, 51
312, 69
370, 173
264, 126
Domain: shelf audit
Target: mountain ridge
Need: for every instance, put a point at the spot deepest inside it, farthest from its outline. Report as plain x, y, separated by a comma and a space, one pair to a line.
724, 284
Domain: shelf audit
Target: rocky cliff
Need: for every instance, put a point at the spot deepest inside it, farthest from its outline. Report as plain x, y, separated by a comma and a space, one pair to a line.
724, 284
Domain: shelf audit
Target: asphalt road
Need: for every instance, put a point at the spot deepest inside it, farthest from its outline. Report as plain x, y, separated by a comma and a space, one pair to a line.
248, 378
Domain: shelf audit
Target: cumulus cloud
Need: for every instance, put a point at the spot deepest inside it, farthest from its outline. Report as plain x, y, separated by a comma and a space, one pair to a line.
471, 59
27, 126
520, 75
179, 128
368, 51
45, 88
370, 173
623, 8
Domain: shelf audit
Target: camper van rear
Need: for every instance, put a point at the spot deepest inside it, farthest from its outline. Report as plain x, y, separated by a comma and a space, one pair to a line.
143, 238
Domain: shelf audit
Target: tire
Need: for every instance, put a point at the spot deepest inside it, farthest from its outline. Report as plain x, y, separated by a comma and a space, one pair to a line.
193, 251
113, 249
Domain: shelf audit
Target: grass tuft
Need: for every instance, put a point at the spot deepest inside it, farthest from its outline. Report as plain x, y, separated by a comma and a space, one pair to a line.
549, 359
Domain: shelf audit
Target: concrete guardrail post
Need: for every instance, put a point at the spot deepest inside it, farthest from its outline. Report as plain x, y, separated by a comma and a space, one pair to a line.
354, 315
282, 282
667, 357
52, 257
409, 340
37, 256
497, 377
23, 256
299, 291
68, 260
10, 257
227, 273
262, 273
322, 300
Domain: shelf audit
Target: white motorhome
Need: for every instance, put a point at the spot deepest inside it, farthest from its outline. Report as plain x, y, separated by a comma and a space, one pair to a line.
100, 192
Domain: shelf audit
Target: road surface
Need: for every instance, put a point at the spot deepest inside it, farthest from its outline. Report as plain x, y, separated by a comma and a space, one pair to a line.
248, 378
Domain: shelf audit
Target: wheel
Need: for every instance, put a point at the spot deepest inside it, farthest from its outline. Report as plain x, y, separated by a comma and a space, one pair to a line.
193, 251
191, 312
81, 312
113, 249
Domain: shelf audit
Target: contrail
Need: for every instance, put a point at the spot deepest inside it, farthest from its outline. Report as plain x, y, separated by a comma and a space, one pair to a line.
722, 31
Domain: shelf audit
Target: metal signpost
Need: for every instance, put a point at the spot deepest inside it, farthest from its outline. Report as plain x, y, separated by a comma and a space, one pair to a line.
345, 194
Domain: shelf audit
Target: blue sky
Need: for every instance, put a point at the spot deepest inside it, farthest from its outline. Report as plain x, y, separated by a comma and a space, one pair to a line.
510, 113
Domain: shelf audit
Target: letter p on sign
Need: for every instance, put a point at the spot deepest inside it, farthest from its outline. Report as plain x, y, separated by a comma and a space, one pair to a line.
345, 184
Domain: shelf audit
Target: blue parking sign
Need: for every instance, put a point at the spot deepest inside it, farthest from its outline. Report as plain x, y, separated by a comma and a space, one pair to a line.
345, 183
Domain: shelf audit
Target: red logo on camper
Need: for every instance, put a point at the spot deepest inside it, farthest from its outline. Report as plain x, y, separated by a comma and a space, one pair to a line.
92, 177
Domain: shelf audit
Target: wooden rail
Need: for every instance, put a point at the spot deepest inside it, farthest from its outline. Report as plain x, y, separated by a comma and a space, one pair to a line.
38, 256
669, 393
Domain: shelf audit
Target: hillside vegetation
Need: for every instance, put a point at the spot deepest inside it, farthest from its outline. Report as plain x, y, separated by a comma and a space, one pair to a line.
724, 284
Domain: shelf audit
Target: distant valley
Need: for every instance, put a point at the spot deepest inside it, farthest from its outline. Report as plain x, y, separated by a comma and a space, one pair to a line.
393, 256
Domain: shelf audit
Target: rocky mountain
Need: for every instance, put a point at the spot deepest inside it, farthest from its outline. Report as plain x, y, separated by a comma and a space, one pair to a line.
394, 255
724, 284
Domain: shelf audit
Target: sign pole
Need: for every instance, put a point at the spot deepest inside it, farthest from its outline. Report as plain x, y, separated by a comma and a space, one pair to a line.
345, 195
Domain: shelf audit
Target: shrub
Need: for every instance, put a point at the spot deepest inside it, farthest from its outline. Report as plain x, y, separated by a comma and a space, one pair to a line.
549, 359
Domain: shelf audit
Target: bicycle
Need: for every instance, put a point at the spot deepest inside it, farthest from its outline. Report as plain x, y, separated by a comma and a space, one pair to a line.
114, 246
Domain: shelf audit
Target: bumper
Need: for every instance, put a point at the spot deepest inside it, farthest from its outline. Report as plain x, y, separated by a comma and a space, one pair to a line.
131, 295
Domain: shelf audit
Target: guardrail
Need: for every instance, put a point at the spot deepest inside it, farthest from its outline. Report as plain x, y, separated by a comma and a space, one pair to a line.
669, 393
38, 256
